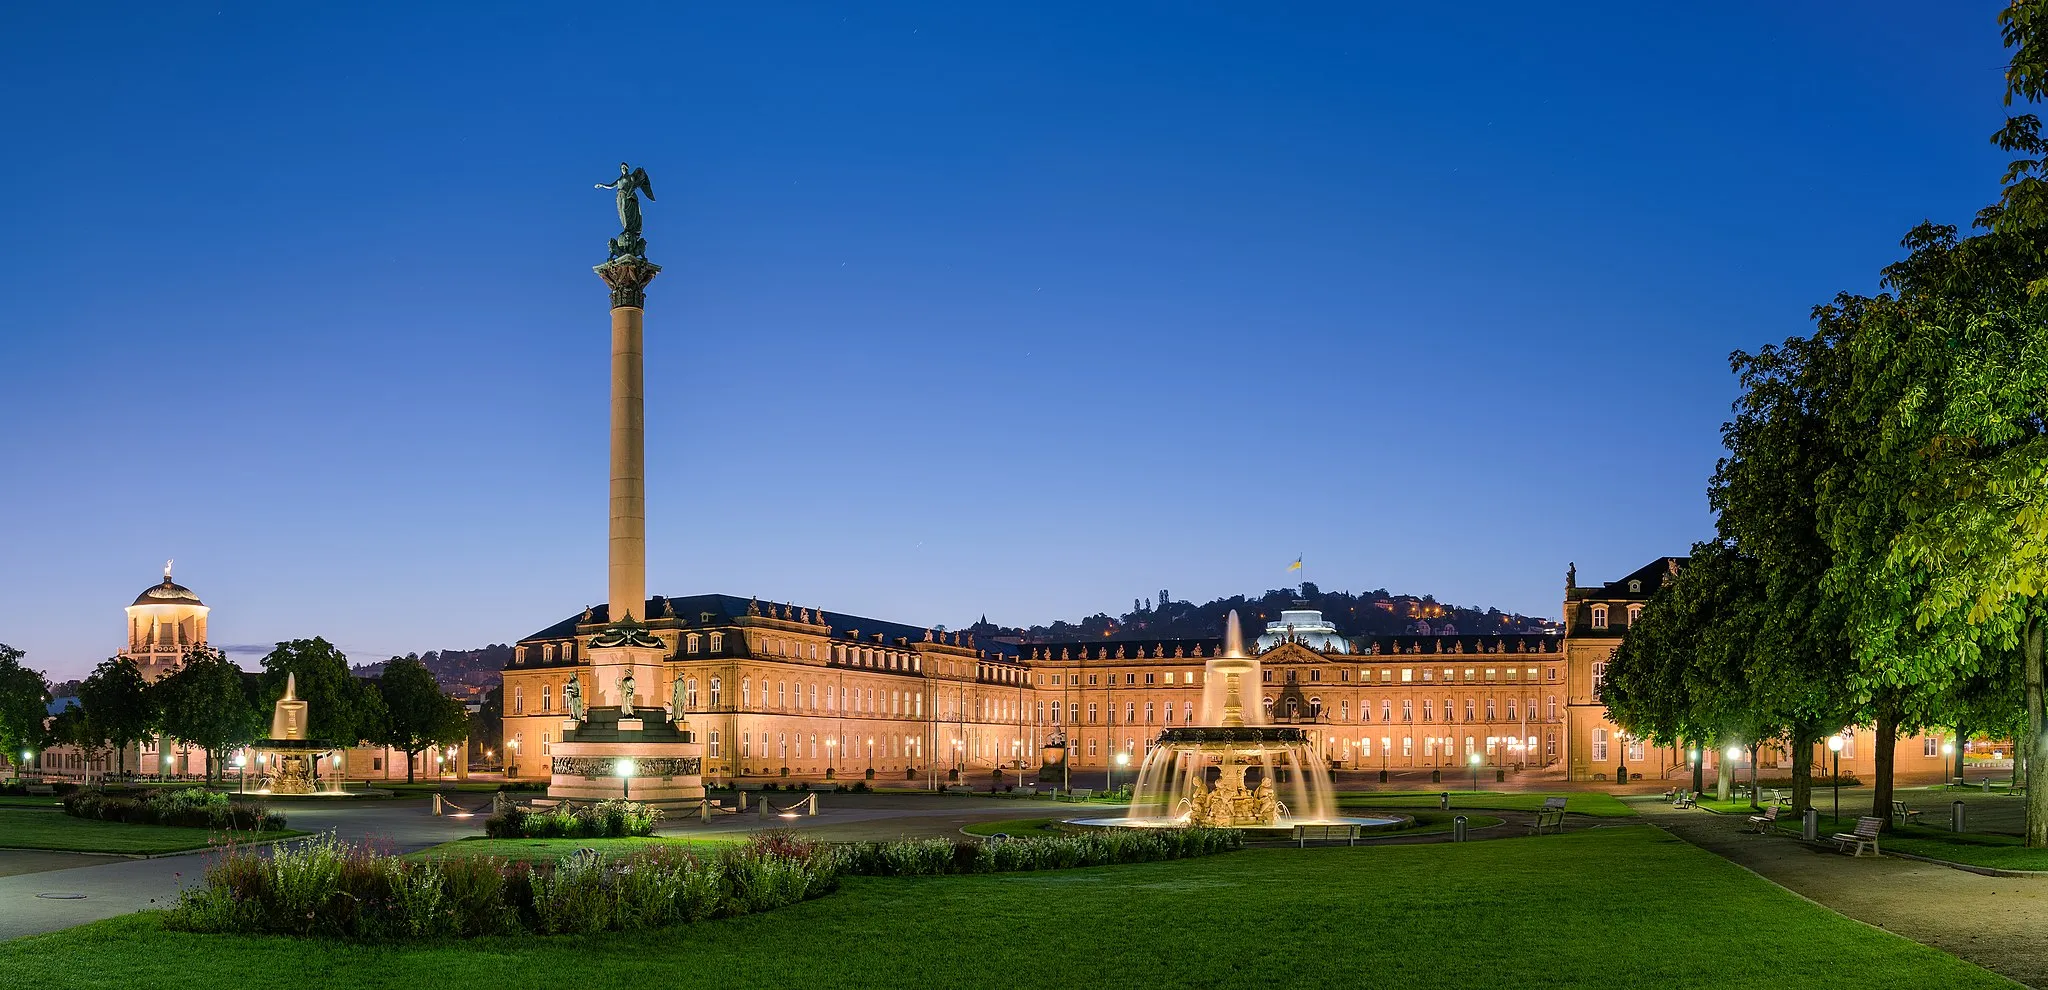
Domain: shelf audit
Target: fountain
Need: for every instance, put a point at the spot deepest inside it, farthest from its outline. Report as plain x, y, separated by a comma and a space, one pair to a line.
1201, 774
286, 758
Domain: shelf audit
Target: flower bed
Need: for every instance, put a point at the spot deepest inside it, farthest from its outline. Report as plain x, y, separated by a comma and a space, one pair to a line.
191, 807
331, 888
604, 820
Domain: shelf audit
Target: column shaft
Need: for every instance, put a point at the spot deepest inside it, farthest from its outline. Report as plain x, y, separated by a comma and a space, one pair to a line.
628, 548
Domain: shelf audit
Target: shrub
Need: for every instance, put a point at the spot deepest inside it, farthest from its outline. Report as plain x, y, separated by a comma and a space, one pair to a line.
604, 820
931, 857
190, 807
327, 887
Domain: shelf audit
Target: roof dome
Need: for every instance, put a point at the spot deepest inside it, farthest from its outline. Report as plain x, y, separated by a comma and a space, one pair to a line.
167, 593
1305, 626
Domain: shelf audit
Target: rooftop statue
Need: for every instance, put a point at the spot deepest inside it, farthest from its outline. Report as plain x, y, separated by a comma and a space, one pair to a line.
630, 185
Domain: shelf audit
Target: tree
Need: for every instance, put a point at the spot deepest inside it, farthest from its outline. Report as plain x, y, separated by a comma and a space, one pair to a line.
340, 707
418, 715
74, 726
24, 705
120, 703
205, 702
487, 726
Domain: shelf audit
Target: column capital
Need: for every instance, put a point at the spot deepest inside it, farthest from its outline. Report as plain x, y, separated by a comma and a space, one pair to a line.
628, 278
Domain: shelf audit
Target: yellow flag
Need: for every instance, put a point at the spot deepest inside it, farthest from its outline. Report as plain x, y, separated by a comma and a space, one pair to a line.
1296, 565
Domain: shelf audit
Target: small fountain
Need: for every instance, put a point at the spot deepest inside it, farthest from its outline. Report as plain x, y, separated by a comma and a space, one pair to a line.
1201, 774
286, 758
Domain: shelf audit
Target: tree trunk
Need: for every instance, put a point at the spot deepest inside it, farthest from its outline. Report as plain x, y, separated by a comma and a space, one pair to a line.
1699, 766
1724, 775
1962, 733
2037, 797
1802, 769
1755, 751
410, 754
1887, 743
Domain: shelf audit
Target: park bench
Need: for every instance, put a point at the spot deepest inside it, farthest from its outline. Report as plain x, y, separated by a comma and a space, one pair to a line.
1550, 816
1080, 794
1782, 796
1762, 823
1349, 833
42, 790
1865, 835
1903, 814
959, 789
1685, 799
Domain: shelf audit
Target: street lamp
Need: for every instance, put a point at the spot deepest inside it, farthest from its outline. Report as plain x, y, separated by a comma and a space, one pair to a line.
514, 746
1835, 747
1621, 745
1123, 759
242, 771
1474, 761
830, 745
871, 756
624, 770
1948, 749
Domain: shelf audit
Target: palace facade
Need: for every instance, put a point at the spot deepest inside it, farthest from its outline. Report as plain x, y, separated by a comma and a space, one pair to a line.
778, 690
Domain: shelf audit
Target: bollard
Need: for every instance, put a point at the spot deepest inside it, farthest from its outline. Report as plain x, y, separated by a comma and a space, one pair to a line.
1458, 829
812, 803
437, 803
704, 810
764, 807
1443, 801
743, 800
1987, 785
1809, 825
1955, 816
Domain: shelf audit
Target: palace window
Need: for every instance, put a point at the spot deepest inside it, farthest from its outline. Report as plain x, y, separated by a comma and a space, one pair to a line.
1266, 676
690, 693
1290, 677
1470, 674
1599, 745
1407, 674
1344, 710
1550, 707
714, 692
1599, 674
1317, 675
519, 654
1364, 746
1407, 746
1599, 616
1386, 675
1091, 719
1635, 750
1130, 678
1268, 703
1428, 674
1489, 710
547, 652
692, 643
1386, 711
1091, 742
746, 745
746, 694
1930, 746
1634, 612
547, 697
1130, 712
1092, 679
518, 700
547, 743
1148, 713
1188, 712
1407, 710
1511, 709
717, 642
1550, 673
1148, 678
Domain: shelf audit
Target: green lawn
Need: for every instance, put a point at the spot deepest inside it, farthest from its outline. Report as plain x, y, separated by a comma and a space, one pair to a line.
537, 850
1599, 804
23, 828
25, 801
1015, 826
2000, 852
1615, 907
1426, 823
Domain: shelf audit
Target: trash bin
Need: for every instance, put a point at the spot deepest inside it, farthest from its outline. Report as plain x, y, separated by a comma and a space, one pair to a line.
1458, 829
1955, 816
1809, 824
1443, 801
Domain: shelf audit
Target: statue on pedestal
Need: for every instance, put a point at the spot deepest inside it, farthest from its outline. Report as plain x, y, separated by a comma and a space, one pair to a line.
572, 698
676, 697
626, 695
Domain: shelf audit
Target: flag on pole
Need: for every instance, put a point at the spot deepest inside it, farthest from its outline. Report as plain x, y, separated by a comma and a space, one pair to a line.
1296, 565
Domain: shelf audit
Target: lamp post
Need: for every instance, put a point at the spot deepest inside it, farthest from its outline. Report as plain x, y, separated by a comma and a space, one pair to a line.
871, 756
1621, 745
514, 747
1474, 762
1835, 747
242, 772
1123, 759
830, 746
1734, 753
1948, 749
624, 769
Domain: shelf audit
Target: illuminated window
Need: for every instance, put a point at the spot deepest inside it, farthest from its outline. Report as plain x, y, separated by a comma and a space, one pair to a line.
692, 643
1428, 711
717, 642
1599, 745
1407, 710
1599, 616
714, 692
690, 693
1148, 712
518, 700
547, 697
1091, 721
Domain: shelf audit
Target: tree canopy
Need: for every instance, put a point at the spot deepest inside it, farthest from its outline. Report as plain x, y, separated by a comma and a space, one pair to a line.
24, 705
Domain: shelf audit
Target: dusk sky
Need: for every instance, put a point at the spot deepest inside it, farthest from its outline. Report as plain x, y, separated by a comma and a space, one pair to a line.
1024, 310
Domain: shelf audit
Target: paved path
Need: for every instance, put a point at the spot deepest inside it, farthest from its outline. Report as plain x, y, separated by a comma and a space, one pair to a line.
1999, 923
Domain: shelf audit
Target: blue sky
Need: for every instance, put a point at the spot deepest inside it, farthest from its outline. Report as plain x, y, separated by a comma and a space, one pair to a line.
1017, 310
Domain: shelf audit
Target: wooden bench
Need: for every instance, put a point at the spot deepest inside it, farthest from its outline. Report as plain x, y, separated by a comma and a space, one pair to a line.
1781, 796
1328, 833
1686, 799
1762, 823
42, 790
959, 789
1865, 835
1550, 816
1901, 813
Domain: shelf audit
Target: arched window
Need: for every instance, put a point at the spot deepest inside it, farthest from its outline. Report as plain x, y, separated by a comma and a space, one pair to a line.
1269, 709
547, 697
690, 693
1599, 745
1293, 708
715, 692
1315, 708
1634, 612
518, 700
1599, 616
746, 692
781, 695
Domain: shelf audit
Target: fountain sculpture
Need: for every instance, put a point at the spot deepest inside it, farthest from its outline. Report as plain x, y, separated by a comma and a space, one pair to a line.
1203, 774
